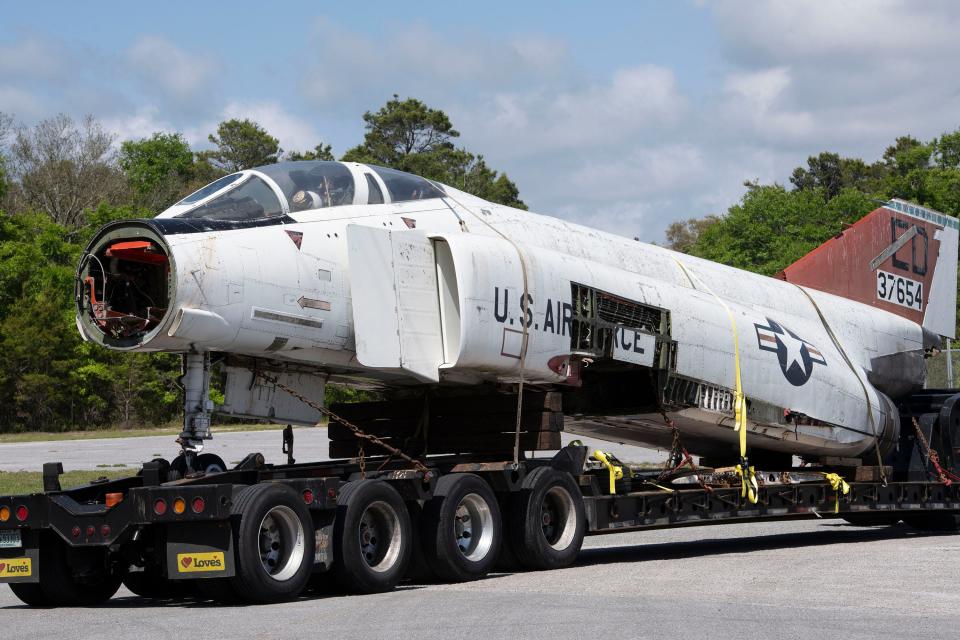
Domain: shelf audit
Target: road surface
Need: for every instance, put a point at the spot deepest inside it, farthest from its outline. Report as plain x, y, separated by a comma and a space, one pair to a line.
809, 580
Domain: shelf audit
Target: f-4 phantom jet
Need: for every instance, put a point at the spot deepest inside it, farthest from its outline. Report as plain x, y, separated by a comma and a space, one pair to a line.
339, 272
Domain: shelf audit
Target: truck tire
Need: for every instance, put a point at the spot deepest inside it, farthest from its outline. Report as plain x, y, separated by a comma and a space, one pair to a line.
275, 540
31, 594
942, 522
148, 584
372, 537
59, 587
461, 528
547, 520
871, 520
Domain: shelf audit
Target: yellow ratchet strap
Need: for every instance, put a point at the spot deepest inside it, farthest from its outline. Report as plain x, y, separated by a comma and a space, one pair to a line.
749, 488
616, 472
839, 485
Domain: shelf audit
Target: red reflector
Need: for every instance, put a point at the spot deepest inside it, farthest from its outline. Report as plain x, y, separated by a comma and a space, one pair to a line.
198, 505
105, 530
308, 496
91, 530
331, 493
160, 507
22, 513
75, 532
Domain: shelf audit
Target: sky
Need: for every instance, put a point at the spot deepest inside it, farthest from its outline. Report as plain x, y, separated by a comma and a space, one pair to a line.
619, 115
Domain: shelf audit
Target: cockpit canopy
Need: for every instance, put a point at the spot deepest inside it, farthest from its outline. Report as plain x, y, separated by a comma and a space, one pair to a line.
289, 187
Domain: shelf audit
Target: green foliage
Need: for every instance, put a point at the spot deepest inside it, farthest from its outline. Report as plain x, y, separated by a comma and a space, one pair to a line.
319, 152
772, 227
410, 136
241, 144
683, 235
49, 378
157, 168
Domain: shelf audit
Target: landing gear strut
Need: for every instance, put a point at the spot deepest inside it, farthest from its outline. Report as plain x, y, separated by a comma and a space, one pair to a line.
197, 406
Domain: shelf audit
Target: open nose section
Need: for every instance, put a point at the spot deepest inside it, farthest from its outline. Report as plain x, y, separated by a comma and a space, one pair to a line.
124, 287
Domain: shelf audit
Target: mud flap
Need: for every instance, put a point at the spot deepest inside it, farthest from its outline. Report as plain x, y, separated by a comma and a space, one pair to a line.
187, 559
21, 564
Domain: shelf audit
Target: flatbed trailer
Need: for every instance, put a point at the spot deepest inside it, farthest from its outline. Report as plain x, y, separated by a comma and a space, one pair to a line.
266, 533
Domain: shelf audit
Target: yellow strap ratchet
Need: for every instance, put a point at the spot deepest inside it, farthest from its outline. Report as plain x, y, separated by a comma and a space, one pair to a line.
749, 488
839, 485
616, 472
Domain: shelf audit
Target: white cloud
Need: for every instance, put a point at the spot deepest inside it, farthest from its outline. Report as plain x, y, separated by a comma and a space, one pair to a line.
183, 76
18, 102
293, 132
30, 57
637, 102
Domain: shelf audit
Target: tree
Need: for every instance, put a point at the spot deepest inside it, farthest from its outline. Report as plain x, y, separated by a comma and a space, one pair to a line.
158, 168
946, 150
401, 129
6, 121
772, 227
241, 144
832, 173
62, 168
410, 136
319, 152
683, 235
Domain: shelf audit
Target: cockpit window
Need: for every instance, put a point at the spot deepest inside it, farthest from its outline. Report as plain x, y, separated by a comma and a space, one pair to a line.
374, 195
251, 200
211, 188
405, 186
312, 184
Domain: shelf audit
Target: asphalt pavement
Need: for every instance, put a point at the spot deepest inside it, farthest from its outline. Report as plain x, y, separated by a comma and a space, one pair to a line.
808, 580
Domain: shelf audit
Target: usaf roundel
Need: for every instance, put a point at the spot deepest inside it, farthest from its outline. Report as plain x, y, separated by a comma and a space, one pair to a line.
796, 355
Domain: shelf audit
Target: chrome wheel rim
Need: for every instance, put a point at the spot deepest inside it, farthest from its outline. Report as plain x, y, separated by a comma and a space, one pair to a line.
558, 518
282, 543
473, 527
379, 536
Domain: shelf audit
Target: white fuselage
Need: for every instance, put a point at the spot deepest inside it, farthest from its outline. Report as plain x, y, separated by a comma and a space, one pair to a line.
366, 297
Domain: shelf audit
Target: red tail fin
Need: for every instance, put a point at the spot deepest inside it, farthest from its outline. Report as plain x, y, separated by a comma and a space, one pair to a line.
901, 258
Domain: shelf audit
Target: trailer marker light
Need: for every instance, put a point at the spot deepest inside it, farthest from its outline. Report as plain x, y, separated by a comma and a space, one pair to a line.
179, 506
160, 506
308, 496
113, 499
22, 513
91, 531
198, 505
4, 513
75, 532
105, 530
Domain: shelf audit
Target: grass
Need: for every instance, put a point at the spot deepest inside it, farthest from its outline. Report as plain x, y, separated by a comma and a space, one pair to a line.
45, 436
17, 482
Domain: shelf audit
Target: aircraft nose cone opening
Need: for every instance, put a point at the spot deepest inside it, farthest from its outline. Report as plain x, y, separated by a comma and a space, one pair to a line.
123, 287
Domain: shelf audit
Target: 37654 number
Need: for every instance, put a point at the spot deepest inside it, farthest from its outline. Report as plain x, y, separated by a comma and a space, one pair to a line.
899, 290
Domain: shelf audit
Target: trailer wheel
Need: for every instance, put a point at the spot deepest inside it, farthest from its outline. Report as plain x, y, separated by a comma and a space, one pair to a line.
547, 522
148, 584
275, 543
372, 537
461, 528
943, 522
30, 594
871, 520
59, 586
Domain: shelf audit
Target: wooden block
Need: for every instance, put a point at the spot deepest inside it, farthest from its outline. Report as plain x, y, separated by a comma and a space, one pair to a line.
872, 474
